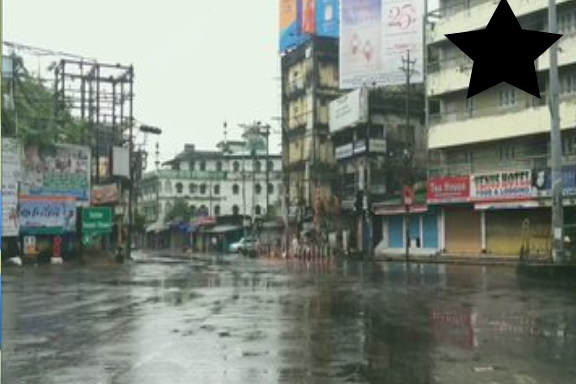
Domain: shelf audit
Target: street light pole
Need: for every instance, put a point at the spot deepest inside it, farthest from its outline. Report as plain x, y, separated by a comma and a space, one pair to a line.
555, 144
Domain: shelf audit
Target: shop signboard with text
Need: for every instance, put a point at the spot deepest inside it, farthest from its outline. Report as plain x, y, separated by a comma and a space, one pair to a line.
507, 185
11, 159
47, 216
448, 190
542, 181
96, 221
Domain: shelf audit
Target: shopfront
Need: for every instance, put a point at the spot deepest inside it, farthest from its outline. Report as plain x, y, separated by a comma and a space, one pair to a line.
424, 227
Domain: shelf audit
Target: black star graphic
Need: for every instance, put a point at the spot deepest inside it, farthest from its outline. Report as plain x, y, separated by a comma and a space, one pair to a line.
503, 52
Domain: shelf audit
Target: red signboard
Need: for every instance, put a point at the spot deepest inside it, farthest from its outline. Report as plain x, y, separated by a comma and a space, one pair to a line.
448, 189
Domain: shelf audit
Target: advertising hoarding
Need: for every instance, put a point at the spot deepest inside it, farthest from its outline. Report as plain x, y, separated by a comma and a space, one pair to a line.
448, 189
47, 216
105, 194
348, 110
501, 186
374, 37
542, 181
11, 173
120, 162
62, 171
300, 19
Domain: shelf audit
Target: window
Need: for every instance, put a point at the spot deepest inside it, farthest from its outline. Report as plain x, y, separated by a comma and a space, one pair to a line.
569, 145
203, 189
258, 210
235, 210
235, 189
192, 188
168, 207
567, 21
258, 189
159, 187
507, 97
202, 165
258, 167
219, 166
470, 106
270, 189
270, 166
168, 187
236, 166
568, 83
191, 165
179, 188
216, 189
203, 211
217, 210
506, 152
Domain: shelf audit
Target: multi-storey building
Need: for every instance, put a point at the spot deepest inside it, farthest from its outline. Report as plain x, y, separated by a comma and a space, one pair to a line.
490, 169
225, 185
309, 83
373, 153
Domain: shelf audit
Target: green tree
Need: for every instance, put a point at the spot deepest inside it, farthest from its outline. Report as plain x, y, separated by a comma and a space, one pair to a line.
28, 112
180, 211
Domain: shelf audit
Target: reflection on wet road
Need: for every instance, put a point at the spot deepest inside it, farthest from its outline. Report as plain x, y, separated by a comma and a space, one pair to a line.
176, 321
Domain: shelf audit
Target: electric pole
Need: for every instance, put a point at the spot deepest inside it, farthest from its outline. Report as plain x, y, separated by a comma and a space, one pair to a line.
408, 69
555, 144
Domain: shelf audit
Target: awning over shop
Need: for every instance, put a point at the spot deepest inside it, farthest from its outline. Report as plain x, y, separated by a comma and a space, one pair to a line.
157, 227
224, 229
507, 205
399, 209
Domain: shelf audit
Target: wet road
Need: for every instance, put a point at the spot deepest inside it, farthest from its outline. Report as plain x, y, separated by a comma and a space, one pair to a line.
252, 321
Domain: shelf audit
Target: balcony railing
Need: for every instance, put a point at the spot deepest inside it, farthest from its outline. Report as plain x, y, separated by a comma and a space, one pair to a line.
190, 175
465, 169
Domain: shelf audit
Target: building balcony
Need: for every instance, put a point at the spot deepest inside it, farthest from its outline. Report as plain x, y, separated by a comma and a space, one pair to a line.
189, 175
494, 165
462, 18
528, 121
454, 75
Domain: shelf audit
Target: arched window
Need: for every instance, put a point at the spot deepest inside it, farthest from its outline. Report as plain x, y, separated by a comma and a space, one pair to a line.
159, 187
270, 165
202, 165
193, 210
168, 186
219, 166
258, 166
204, 210
168, 207
236, 166
235, 189
179, 188
216, 189
258, 210
235, 210
258, 189
270, 189
192, 165
217, 210
192, 188
203, 189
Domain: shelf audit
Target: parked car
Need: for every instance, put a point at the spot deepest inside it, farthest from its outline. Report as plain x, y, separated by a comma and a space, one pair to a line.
244, 246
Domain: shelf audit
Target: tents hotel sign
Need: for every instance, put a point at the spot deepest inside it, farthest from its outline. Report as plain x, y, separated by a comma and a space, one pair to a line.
513, 185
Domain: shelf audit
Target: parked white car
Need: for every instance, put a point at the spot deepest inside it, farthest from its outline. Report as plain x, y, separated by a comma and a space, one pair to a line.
244, 246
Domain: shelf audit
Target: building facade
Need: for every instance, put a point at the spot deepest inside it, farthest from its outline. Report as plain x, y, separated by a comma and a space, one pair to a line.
223, 185
489, 174
309, 83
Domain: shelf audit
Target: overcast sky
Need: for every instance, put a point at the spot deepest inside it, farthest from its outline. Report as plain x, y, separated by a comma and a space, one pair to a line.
197, 63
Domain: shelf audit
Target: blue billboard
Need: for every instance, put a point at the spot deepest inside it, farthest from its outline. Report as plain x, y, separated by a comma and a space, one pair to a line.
300, 19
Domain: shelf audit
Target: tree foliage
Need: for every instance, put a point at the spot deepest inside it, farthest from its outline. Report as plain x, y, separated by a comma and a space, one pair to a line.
28, 112
180, 211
